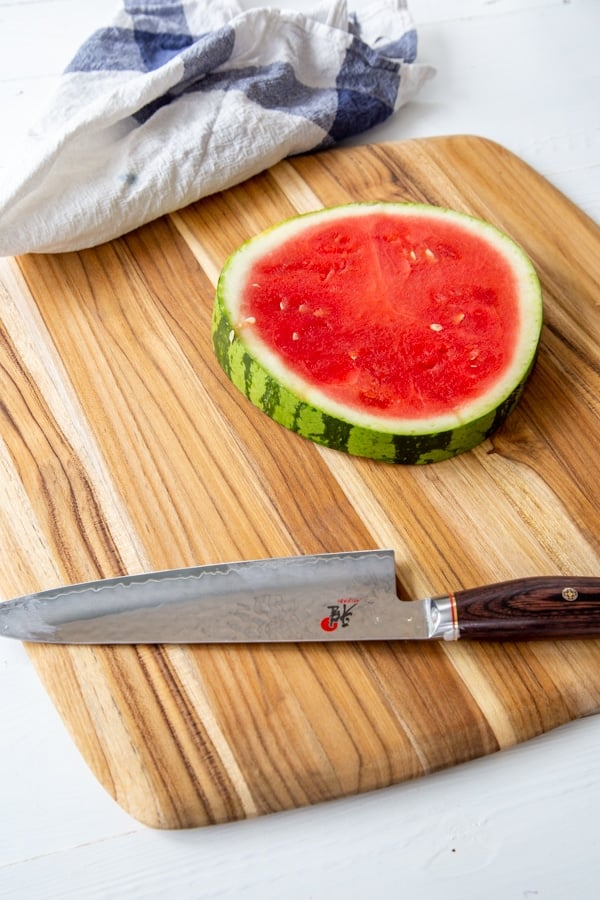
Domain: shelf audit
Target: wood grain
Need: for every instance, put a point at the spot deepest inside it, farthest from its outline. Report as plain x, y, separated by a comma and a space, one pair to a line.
550, 606
123, 447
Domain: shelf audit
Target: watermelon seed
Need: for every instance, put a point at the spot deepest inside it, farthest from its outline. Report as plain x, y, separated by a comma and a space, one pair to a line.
458, 317
435, 326
283, 303
231, 336
412, 255
320, 312
429, 253
302, 308
295, 336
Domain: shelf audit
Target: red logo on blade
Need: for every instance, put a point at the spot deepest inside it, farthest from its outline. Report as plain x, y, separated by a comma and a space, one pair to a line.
339, 614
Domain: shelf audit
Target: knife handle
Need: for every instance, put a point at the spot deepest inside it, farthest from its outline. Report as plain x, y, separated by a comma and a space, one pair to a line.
529, 609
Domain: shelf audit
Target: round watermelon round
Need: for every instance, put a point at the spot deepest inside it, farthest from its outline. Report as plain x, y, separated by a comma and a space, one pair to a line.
396, 331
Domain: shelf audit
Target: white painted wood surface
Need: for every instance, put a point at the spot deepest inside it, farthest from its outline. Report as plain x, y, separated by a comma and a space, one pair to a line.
521, 824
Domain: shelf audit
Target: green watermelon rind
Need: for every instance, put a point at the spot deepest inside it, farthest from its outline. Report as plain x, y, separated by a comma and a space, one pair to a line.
421, 443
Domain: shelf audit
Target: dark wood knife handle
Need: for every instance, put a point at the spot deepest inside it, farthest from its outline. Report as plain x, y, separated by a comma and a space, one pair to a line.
529, 609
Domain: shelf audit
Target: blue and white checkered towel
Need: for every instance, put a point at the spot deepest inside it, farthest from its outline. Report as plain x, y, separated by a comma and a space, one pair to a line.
178, 99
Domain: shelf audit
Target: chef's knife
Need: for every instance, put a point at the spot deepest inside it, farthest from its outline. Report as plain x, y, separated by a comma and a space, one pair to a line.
326, 597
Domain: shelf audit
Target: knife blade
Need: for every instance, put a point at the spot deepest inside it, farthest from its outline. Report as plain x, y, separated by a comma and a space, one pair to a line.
347, 596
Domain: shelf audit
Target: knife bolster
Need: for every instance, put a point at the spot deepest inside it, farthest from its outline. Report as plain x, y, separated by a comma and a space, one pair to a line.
443, 619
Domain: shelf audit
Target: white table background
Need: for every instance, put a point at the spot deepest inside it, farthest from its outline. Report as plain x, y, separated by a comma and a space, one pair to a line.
523, 823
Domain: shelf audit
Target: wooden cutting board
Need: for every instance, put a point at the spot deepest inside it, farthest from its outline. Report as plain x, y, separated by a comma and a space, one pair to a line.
124, 448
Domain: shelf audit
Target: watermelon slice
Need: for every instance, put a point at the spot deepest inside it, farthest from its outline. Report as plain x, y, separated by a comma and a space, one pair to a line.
400, 332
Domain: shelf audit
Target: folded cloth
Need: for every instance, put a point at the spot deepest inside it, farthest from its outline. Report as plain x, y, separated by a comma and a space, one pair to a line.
178, 99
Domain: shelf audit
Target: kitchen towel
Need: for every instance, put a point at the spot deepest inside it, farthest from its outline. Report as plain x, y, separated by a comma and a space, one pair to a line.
177, 100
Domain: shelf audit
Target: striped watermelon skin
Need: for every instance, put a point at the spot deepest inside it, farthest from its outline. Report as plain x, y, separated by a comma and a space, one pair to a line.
284, 406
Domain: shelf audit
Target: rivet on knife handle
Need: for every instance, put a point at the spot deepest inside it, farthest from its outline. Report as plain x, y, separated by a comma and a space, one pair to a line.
529, 608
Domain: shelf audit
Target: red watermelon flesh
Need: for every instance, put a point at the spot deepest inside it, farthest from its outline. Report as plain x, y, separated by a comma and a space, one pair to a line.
402, 316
